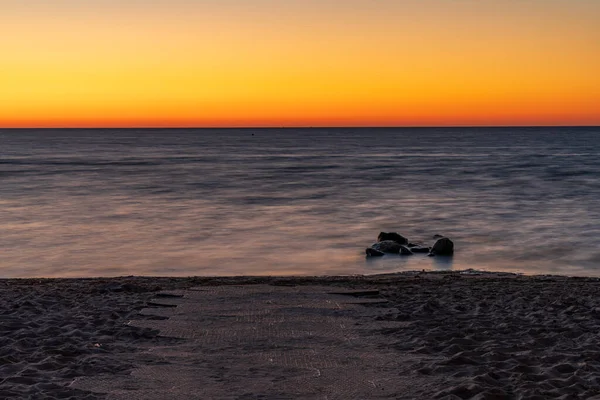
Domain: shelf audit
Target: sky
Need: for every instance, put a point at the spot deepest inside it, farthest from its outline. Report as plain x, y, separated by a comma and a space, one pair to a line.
185, 63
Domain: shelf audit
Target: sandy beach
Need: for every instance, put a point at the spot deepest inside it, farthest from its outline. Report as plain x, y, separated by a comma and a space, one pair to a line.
456, 335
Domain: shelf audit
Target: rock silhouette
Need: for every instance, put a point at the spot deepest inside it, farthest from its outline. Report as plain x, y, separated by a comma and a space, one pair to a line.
442, 247
395, 236
395, 243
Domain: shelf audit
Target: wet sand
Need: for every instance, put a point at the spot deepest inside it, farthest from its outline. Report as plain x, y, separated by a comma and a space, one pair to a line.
480, 336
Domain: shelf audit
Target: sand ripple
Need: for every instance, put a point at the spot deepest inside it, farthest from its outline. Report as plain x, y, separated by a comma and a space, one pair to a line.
529, 338
52, 331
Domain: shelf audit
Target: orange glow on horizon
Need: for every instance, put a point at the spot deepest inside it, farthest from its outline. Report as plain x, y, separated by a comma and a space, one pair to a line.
299, 63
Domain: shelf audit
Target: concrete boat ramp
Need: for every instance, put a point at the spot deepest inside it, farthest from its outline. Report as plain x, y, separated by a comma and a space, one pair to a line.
266, 342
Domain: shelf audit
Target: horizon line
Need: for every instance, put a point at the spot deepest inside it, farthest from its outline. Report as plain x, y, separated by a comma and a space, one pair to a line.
297, 127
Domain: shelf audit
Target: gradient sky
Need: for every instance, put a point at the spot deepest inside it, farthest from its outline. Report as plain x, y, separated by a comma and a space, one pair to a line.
299, 62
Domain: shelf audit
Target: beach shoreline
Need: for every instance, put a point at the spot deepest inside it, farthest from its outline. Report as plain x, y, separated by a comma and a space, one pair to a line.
484, 334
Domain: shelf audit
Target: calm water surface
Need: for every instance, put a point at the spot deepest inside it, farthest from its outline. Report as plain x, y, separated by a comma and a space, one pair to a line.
257, 202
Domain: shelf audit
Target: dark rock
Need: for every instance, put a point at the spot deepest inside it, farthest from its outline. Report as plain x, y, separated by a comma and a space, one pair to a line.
394, 236
442, 247
405, 251
374, 253
419, 249
387, 246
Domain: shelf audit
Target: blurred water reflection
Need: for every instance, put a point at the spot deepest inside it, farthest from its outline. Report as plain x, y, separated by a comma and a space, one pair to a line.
226, 202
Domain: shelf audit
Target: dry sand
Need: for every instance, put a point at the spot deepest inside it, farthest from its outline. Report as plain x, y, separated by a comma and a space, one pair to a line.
489, 336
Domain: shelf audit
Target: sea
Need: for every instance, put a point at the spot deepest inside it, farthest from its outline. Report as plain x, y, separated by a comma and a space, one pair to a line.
208, 202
